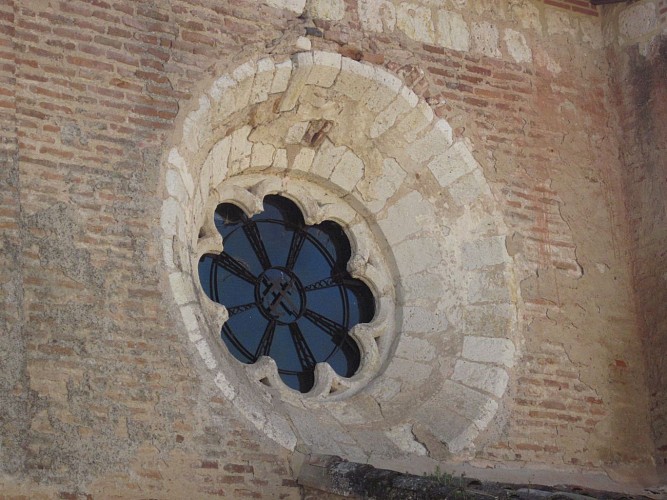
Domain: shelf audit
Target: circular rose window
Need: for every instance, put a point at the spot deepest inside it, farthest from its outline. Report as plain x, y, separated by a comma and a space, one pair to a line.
287, 291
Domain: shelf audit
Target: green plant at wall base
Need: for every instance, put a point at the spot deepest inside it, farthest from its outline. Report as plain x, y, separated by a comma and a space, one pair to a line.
458, 483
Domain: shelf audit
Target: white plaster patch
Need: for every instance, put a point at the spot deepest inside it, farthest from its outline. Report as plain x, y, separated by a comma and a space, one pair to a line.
637, 20
415, 21
517, 46
331, 10
291, 5
377, 15
485, 39
452, 31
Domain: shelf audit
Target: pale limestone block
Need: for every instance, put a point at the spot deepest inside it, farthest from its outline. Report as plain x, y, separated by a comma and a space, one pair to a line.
354, 79
382, 91
331, 10
387, 118
445, 129
490, 286
416, 255
445, 424
469, 403
485, 39
303, 43
181, 287
453, 163
404, 439
433, 143
304, 159
303, 65
280, 159
220, 87
408, 371
278, 428
385, 388
517, 46
559, 22
414, 348
296, 132
247, 404
261, 85
348, 171
422, 320
326, 68
172, 219
468, 188
407, 216
421, 287
377, 15
240, 150
281, 76
175, 186
262, 155
484, 252
168, 252
326, 159
291, 5
226, 387
465, 440
217, 161
489, 350
415, 21
244, 71
190, 321
414, 122
386, 185
638, 20
452, 31
196, 124
491, 379
488, 321
206, 354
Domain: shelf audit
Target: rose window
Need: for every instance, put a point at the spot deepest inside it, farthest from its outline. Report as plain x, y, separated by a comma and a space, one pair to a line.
287, 291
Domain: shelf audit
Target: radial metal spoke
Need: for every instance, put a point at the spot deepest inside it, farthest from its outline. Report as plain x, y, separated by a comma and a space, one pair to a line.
235, 267
298, 239
306, 357
335, 330
267, 339
213, 281
252, 233
330, 282
233, 311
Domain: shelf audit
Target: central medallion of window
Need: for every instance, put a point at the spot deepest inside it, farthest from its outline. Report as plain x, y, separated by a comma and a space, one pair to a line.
287, 291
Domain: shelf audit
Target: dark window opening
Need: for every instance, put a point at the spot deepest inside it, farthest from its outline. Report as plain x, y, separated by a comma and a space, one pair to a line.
287, 291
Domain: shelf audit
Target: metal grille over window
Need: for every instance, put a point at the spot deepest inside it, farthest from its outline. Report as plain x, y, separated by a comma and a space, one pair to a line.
287, 291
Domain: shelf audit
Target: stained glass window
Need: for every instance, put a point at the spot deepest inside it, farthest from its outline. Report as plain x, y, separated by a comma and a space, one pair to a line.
287, 291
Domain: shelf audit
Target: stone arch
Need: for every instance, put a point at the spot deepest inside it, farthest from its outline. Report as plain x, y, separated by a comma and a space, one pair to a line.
349, 141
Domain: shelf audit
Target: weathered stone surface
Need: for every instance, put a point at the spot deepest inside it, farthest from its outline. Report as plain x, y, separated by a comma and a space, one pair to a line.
331, 10
485, 39
517, 46
452, 31
415, 21
489, 350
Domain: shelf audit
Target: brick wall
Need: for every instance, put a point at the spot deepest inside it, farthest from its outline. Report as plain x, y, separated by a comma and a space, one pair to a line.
108, 396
